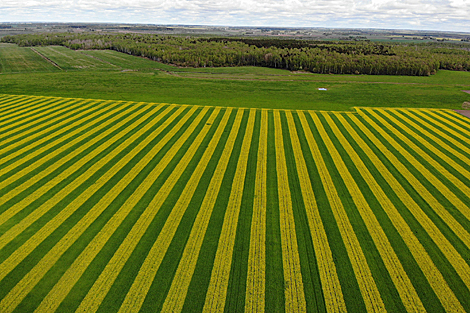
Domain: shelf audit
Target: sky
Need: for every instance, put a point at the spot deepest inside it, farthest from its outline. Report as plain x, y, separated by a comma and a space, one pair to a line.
445, 15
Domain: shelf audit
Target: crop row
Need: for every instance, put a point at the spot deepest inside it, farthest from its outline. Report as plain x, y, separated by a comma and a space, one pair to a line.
122, 206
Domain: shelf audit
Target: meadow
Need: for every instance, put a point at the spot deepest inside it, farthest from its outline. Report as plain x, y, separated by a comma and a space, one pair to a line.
118, 206
117, 76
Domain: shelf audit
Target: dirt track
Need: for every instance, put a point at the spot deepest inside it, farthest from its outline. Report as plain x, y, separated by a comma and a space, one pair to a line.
464, 112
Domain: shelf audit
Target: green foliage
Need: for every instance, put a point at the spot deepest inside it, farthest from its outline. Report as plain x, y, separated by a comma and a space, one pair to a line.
318, 57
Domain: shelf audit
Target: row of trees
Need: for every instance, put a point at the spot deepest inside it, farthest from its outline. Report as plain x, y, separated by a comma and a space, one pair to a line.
314, 56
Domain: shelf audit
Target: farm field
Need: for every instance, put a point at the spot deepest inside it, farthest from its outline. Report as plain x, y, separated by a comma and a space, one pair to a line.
112, 75
120, 206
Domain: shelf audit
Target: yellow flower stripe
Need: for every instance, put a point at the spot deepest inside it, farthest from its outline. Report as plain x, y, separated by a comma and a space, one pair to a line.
367, 286
6, 100
52, 301
179, 287
454, 258
12, 104
27, 283
217, 290
414, 182
256, 276
460, 132
14, 209
26, 107
293, 284
463, 207
25, 119
457, 118
407, 117
36, 214
431, 147
58, 130
331, 286
398, 275
102, 285
23, 251
102, 121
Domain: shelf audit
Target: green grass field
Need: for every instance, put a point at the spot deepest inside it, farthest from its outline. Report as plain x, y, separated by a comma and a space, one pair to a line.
117, 76
117, 206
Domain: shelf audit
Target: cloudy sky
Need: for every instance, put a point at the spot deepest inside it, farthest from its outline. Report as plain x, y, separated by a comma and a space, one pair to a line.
450, 15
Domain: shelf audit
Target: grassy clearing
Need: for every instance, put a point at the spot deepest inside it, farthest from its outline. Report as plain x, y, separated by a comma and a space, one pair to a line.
118, 76
164, 209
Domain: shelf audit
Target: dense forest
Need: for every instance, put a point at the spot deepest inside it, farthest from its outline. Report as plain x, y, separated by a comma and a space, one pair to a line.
336, 57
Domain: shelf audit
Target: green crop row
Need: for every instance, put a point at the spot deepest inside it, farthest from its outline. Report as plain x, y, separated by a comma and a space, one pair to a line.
114, 206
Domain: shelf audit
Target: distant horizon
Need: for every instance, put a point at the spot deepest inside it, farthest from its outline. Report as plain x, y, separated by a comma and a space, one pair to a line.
427, 15
233, 26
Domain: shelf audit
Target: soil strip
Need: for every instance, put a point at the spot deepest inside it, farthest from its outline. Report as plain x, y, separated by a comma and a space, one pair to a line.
464, 112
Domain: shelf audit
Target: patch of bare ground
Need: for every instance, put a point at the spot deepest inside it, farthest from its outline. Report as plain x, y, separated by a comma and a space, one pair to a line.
467, 91
464, 112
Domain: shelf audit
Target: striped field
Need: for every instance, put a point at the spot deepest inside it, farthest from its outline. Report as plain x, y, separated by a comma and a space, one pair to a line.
113, 206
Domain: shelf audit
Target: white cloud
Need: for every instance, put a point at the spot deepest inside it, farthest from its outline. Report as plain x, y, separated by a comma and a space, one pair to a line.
415, 14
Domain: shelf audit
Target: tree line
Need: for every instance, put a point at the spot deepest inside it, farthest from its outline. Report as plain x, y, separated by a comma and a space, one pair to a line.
335, 57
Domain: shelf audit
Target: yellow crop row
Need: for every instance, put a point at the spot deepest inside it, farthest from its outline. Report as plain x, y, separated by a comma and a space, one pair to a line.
293, 285
256, 277
460, 132
26, 108
432, 148
10, 104
421, 256
35, 142
370, 293
332, 292
49, 120
138, 291
6, 100
217, 290
17, 207
102, 121
37, 116
17, 108
32, 278
457, 118
17, 256
179, 287
392, 263
75, 271
416, 184
463, 207
10, 108
406, 116
398, 275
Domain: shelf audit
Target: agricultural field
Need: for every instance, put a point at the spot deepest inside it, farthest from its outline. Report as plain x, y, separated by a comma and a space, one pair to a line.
120, 206
14, 59
67, 59
110, 75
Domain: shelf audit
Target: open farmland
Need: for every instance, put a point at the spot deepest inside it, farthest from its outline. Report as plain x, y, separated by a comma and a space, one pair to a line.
14, 59
110, 75
130, 206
